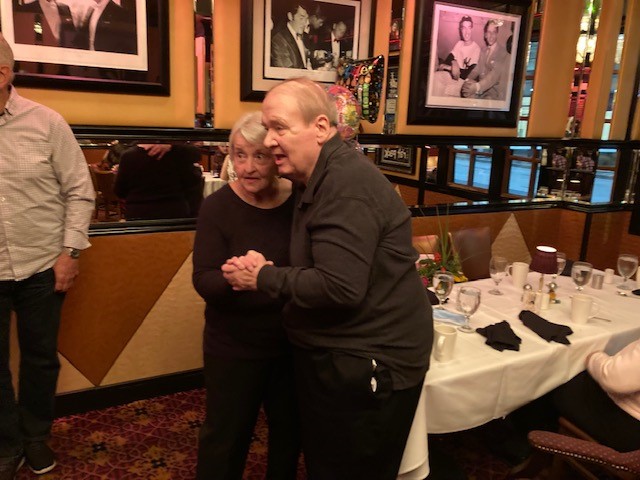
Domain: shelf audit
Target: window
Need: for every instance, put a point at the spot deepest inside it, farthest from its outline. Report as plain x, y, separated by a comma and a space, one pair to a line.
471, 166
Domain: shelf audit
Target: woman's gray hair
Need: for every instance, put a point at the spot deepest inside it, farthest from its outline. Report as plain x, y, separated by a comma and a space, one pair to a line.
251, 128
6, 54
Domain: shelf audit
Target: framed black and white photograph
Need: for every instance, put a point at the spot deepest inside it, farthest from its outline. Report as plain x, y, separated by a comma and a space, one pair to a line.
468, 62
282, 39
397, 158
113, 45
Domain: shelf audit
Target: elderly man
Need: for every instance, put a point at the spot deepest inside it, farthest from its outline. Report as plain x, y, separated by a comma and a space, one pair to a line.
357, 313
45, 208
489, 79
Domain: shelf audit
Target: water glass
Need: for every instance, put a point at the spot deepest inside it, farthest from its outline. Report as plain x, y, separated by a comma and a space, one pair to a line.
581, 274
498, 270
627, 266
442, 285
561, 259
468, 303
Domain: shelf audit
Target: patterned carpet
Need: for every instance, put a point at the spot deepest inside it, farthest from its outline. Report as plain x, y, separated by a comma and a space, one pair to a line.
156, 439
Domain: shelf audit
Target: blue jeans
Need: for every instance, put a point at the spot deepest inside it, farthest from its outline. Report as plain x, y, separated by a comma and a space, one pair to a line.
37, 308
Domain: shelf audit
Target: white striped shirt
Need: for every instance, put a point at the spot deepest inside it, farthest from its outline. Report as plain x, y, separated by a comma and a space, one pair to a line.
46, 194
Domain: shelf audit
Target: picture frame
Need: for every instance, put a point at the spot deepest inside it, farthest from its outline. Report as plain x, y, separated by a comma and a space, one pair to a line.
128, 51
468, 62
397, 158
269, 54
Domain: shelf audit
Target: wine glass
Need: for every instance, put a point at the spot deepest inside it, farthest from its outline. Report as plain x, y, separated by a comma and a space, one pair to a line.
561, 259
498, 270
468, 302
627, 266
581, 274
442, 285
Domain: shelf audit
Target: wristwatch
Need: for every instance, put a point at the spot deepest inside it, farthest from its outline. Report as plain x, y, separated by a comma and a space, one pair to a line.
72, 252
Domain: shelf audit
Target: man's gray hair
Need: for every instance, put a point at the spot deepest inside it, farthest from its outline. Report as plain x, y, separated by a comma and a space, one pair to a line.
312, 99
6, 54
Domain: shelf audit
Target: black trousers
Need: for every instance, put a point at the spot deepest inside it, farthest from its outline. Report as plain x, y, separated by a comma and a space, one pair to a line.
582, 401
348, 430
37, 308
235, 390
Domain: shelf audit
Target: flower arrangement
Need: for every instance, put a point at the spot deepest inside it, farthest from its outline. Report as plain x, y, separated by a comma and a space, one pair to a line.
445, 259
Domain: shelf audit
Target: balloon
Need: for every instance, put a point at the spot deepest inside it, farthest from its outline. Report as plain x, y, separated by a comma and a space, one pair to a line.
349, 111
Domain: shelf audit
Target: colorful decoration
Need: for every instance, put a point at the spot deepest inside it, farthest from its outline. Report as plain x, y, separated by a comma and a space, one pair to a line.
349, 111
364, 79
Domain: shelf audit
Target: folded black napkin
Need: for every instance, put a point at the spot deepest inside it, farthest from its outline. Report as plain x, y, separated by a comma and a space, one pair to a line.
433, 298
636, 292
500, 336
551, 332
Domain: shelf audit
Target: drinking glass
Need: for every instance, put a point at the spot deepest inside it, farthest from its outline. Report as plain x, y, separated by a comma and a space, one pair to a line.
627, 266
498, 270
561, 259
442, 285
581, 274
468, 302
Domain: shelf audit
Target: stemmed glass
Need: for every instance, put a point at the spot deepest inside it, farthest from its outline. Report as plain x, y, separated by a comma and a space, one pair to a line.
561, 258
498, 270
468, 302
627, 266
442, 285
581, 274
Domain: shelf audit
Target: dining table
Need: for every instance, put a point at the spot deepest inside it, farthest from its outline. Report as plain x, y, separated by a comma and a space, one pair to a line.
211, 184
480, 384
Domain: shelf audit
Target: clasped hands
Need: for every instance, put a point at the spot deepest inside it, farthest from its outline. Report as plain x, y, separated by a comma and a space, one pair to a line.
242, 272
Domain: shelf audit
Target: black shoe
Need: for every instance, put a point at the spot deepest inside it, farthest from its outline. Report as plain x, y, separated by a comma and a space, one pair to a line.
10, 466
39, 457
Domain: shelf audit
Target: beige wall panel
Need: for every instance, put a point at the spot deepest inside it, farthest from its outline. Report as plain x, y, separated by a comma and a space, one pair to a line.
176, 110
121, 278
70, 379
170, 337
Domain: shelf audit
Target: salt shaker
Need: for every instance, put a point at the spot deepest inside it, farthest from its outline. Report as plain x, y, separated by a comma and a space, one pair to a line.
596, 281
528, 297
608, 275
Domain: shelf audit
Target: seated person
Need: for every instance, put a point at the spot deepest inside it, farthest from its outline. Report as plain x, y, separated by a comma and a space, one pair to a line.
454, 69
603, 401
160, 186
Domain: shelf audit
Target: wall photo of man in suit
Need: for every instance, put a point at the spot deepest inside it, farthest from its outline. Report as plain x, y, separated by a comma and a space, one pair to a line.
98, 25
288, 49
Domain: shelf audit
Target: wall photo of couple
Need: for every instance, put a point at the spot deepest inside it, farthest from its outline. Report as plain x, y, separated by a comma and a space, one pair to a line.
472, 58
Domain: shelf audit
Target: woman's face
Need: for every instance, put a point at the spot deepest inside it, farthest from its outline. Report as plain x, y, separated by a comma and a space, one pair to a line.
254, 165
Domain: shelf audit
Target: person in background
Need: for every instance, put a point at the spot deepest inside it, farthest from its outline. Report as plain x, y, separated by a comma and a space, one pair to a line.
158, 185
247, 358
287, 44
336, 43
47, 203
489, 79
357, 313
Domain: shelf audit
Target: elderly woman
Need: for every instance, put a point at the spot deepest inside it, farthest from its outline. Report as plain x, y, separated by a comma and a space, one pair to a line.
247, 359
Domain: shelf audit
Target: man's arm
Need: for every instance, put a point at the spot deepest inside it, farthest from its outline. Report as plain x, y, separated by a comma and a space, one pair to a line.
280, 52
344, 236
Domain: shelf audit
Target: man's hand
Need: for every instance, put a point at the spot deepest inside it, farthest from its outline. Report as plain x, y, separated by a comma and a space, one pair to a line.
469, 89
242, 272
455, 70
156, 149
66, 269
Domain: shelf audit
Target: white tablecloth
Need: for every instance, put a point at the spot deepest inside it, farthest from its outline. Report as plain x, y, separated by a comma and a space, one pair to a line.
481, 384
211, 184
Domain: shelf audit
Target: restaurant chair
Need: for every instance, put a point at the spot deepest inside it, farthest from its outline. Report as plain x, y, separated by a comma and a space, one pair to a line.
573, 448
99, 200
106, 196
473, 246
426, 244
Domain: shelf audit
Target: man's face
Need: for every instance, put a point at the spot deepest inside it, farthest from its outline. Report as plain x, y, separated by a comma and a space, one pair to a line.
465, 31
316, 22
491, 35
299, 20
293, 143
339, 30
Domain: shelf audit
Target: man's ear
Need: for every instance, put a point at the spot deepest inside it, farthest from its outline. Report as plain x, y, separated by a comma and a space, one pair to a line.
5, 76
323, 128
